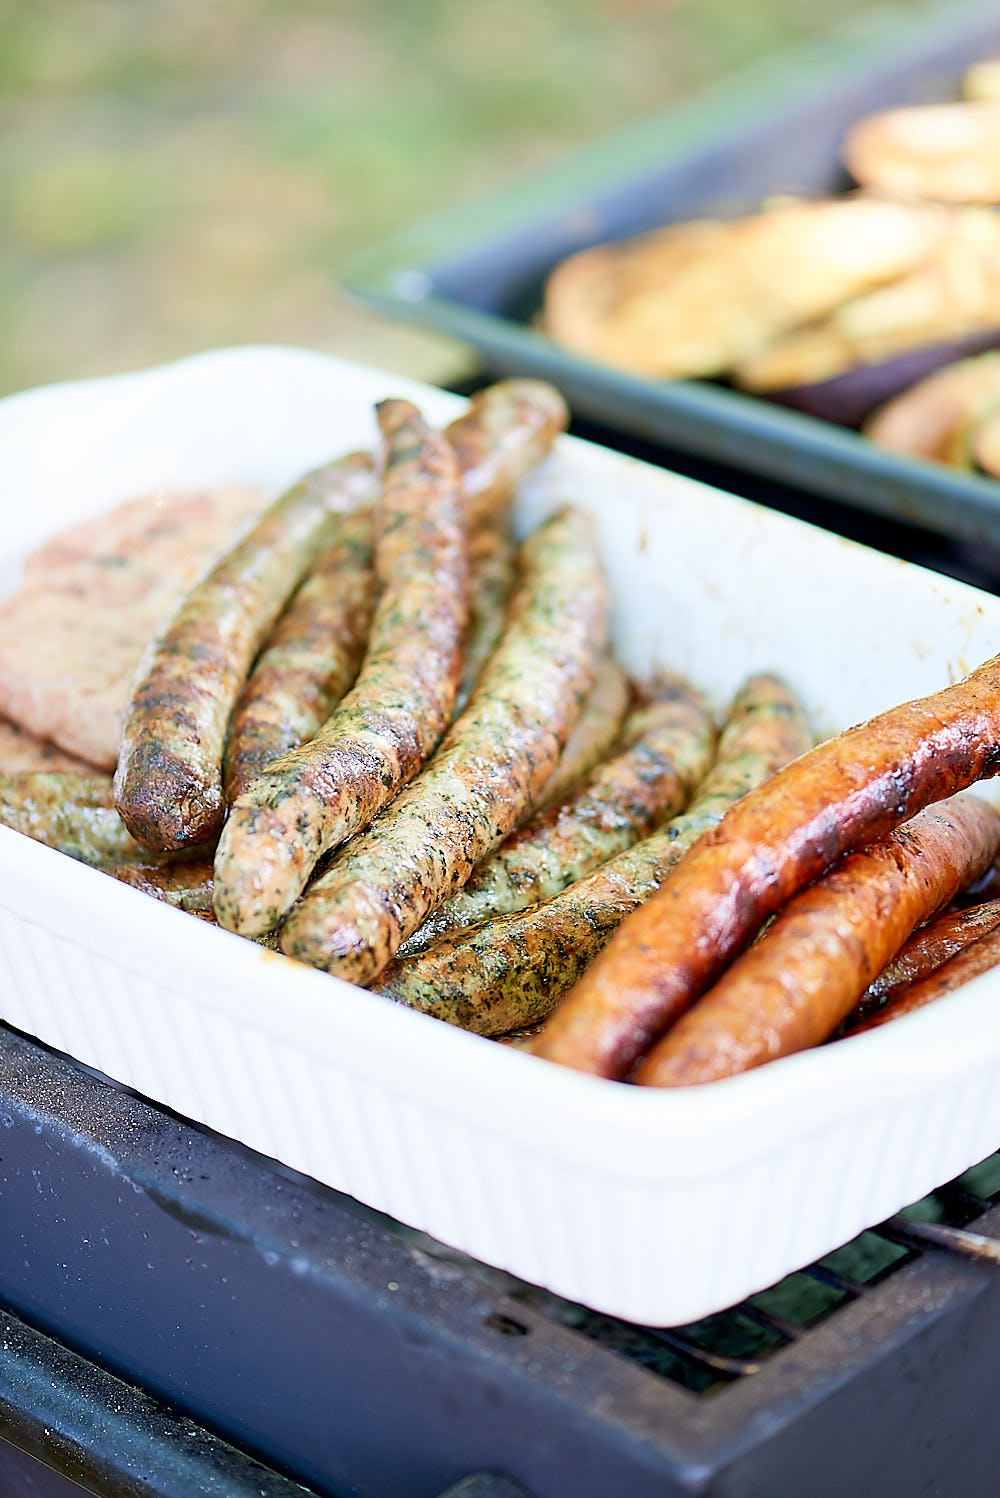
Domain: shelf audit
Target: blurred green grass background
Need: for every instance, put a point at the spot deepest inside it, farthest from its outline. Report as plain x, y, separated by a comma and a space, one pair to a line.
176, 174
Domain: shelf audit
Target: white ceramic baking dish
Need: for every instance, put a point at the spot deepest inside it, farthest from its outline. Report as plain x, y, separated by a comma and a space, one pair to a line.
656, 1206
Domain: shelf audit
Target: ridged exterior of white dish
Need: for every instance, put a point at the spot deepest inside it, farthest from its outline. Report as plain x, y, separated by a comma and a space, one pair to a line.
657, 1206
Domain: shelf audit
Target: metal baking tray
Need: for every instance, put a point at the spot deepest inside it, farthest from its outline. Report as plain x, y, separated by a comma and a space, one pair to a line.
478, 272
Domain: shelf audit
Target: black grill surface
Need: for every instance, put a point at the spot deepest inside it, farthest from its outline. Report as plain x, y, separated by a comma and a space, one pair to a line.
357, 1357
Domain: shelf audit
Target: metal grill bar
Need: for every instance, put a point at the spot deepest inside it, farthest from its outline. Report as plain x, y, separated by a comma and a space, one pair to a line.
771, 1321
961, 1203
851, 1288
718, 1362
914, 1233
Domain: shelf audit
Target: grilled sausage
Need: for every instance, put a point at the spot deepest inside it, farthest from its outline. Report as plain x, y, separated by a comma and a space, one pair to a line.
506, 432
393, 717
511, 972
938, 943
846, 792
72, 813
666, 749
794, 986
979, 957
315, 649
310, 659
168, 786
488, 771
492, 574
186, 885
926, 951
597, 728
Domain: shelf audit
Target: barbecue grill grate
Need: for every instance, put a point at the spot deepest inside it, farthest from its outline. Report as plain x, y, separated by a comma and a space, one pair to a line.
218, 1278
706, 1355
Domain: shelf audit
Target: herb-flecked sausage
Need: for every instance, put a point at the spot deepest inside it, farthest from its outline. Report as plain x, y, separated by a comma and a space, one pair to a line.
792, 988
310, 659
506, 432
315, 649
487, 773
73, 813
379, 736
849, 791
168, 785
665, 750
596, 730
978, 957
511, 972
492, 574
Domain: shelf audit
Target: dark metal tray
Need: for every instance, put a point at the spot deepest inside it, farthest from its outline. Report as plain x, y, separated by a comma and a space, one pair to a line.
478, 272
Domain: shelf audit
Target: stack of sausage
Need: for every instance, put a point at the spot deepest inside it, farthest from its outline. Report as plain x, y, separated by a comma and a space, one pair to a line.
378, 735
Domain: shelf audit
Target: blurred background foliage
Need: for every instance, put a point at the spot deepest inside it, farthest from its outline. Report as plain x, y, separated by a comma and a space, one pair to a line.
176, 174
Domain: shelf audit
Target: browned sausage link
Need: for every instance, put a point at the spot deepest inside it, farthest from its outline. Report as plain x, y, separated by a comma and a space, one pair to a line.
486, 774
315, 649
794, 986
310, 659
848, 791
506, 432
666, 748
168, 786
394, 715
511, 971
979, 957
187, 885
926, 950
598, 727
74, 814
492, 574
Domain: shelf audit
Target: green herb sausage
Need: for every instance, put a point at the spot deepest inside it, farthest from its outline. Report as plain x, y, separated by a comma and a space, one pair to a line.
506, 432
168, 785
379, 736
492, 574
511, 972
666, 748
310, 659
598, 727
488, 772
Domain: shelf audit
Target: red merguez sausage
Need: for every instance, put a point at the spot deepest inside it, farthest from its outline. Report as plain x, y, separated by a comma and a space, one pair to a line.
848, 791
926, 951
979, 957
794, 986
